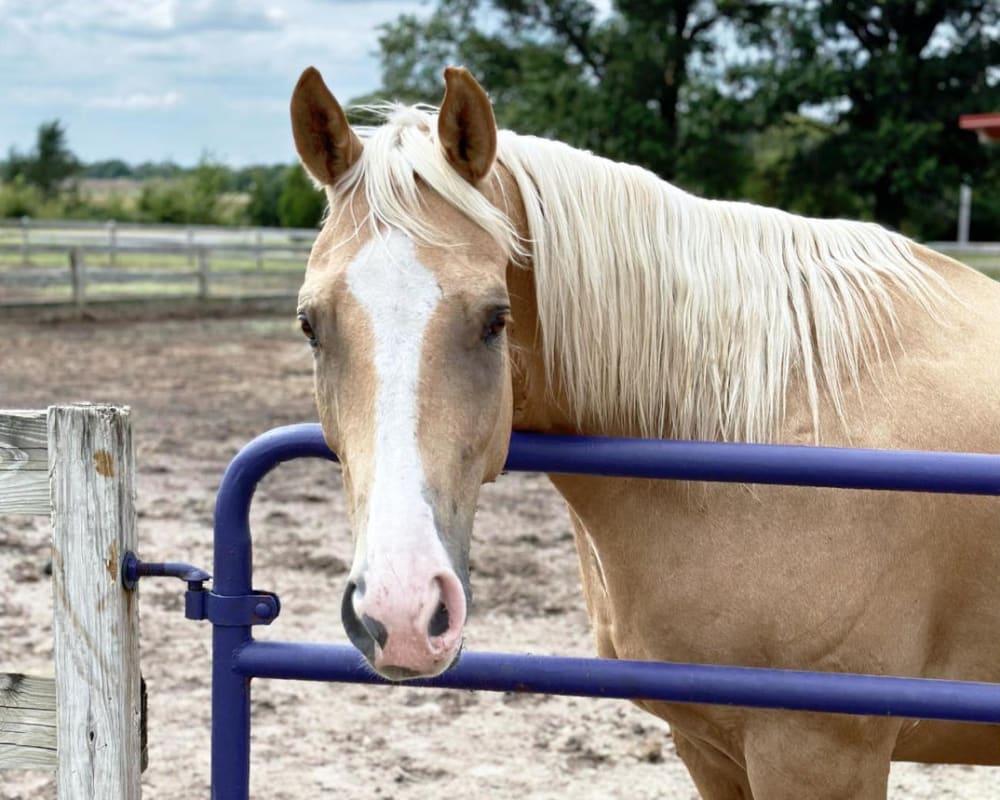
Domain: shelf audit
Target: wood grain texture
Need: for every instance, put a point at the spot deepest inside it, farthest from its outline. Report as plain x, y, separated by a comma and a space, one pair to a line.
24, 463
95, 620
27, 722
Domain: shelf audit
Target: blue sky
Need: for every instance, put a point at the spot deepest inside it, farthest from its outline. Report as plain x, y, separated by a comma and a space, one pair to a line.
173, 79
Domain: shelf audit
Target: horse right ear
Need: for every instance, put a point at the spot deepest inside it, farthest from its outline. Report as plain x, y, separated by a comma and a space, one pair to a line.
467, 129
324, 140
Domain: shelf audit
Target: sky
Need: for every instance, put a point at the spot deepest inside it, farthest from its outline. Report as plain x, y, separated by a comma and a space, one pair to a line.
156, 80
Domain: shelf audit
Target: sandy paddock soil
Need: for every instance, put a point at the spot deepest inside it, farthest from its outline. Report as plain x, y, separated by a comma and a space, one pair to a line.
199, 390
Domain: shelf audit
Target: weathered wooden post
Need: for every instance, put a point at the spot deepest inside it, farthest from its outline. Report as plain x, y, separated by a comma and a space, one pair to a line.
190, 246
26, 239
204, 273
259, 242
74, 464
78, 276
112, 243
96, 622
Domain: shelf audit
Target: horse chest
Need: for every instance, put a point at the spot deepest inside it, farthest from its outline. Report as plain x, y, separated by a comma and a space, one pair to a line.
765, 577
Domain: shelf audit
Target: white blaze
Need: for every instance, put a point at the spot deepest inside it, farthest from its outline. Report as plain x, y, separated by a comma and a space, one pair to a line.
399, 295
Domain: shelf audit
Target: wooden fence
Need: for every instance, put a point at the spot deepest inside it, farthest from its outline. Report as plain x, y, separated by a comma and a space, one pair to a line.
76, 463
82, 263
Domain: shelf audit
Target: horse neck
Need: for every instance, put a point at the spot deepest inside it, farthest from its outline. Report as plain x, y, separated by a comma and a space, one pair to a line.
737, 299
538, 406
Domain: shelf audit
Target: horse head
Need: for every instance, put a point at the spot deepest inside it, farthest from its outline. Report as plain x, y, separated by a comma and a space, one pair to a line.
405, 305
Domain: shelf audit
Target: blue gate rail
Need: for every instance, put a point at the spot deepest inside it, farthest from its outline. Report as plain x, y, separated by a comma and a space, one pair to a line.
237, 657
796, 690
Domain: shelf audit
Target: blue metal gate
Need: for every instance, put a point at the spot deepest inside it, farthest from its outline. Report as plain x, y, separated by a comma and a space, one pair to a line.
234, 606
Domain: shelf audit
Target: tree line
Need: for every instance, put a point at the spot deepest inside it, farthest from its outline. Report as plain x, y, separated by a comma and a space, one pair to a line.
49, 181
836, 108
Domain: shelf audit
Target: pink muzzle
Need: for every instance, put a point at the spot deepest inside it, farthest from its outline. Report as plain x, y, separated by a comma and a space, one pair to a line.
407, 621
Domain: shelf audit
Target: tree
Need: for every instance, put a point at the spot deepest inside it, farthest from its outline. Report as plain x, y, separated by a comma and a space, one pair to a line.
837, 108
264, 185
109, 168
48, 165
889, 79
615, 85
195, 197
301, 205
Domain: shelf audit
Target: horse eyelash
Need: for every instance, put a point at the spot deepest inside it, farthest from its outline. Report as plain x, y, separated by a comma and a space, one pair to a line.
307, 329
501, 316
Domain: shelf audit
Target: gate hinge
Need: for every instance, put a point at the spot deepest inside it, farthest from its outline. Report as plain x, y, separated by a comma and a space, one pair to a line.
258, 608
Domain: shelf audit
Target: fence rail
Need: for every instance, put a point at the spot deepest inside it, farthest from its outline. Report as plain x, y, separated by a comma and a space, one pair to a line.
77, 263
81, 274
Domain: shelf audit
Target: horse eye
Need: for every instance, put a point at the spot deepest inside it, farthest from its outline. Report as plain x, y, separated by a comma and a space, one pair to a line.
307, 330
496, 325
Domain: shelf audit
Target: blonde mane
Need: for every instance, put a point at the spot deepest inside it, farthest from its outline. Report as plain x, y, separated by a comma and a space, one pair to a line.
664, 314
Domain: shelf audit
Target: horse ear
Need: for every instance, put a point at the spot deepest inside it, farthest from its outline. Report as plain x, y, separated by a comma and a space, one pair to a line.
467, 129
324, 140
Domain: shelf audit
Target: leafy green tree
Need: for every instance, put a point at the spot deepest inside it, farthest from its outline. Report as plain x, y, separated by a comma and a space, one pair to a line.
889, 78
47, 166
163, 201
15, 167
264, 186
840, 108
197, 196
300, 205
18, 199
109, 168
613, 84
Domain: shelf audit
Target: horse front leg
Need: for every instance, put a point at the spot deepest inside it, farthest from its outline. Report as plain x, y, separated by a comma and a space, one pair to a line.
716, 775
791, 755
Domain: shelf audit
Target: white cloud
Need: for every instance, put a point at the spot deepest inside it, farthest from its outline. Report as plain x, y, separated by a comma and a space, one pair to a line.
136, 101
217, 74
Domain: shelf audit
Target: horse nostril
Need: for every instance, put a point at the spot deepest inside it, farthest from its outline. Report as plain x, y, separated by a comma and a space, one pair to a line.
358, 631
439, 622
375, 629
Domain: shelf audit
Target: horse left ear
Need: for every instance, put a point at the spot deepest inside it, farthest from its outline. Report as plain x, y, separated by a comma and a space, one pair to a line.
467, 128
324, 140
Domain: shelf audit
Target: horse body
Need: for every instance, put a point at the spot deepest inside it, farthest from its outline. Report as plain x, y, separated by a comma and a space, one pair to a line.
820, 579
877, 582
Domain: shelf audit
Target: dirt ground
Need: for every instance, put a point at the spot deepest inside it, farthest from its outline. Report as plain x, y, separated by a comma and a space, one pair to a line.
199, 389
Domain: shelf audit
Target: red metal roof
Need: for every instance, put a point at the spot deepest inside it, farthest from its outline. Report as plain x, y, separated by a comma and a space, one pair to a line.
987, 126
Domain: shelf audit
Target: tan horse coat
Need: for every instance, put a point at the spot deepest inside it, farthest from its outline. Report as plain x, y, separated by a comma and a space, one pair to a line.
885, 583
821, 579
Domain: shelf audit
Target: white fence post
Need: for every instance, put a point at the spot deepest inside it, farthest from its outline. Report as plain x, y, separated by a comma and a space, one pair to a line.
96, 627
964, 212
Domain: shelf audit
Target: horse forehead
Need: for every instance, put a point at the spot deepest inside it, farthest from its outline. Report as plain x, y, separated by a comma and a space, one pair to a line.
388, 279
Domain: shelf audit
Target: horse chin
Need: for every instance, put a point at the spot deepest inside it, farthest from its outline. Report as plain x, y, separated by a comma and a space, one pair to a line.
399, 674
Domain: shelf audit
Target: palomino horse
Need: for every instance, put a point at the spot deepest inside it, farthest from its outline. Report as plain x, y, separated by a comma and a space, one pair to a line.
469, 281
